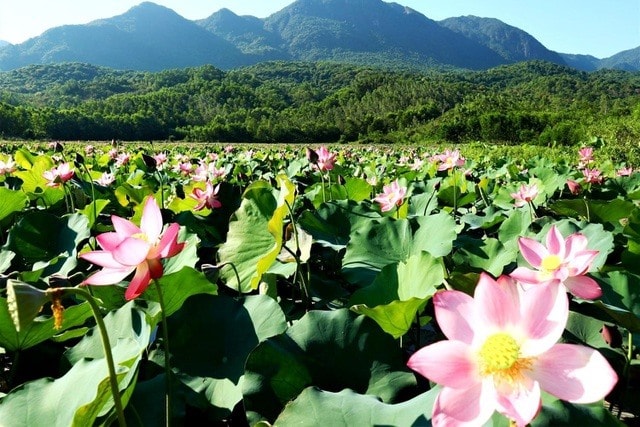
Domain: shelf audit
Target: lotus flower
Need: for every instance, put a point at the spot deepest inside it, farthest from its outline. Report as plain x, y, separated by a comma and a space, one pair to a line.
106, 179
131, 248
323, 159
58, 175
586, 155
561, 262
160, 158
592, 176
626, 171
574, 186
7, 167
122, 159
449, 160
392, 195
207, 198
525, 194
502, 351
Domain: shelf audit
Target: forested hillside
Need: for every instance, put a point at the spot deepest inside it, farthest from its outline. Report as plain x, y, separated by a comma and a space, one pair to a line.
534, 102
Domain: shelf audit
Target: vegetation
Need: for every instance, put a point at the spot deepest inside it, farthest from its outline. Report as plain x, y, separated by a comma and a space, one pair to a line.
533, 102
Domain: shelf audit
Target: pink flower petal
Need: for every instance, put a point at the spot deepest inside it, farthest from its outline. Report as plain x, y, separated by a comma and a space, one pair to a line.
522, 404
532, 250
151, 221
555, 242
131, 251
544, 314
449, 363
139, 283
472, 406
103, 259
581, 262
124, 227
168, 245
575, 243
574, 373
527, 276
108, 276
455, 314
497, 301
109, 241
583, 287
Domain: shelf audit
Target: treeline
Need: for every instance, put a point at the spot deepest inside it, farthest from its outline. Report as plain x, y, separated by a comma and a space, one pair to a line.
533, 102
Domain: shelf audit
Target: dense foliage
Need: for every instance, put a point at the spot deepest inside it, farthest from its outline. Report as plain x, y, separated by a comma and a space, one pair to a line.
292, 289
533, 102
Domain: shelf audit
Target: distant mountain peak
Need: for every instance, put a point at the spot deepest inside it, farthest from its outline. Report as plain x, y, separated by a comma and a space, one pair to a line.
149, 36
510, 42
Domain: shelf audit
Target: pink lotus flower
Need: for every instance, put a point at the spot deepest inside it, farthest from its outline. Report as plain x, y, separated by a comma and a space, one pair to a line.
106, 179
449, 160
626, 171
574, 186
206, 198
183, 168
392, 195
122, 159
525, 194
161, 159
592, 176
561, 262
7, 167
324, 160
89, 150
586, 155
502, 351
131, 248
200, 173
58, 175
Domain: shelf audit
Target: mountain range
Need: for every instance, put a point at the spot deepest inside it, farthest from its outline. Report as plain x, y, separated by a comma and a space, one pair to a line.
150, 37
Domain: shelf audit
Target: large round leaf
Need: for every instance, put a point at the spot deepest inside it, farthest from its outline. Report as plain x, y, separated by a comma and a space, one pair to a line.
211, 337
39, 237
83, 393
12, 201
399, 291
346, 408
41, 329
254, 239
331, 350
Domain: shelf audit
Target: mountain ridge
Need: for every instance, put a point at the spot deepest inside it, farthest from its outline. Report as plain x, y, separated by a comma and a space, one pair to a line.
150, 37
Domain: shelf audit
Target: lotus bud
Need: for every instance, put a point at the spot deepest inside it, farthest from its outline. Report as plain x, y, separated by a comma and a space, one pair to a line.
24, 302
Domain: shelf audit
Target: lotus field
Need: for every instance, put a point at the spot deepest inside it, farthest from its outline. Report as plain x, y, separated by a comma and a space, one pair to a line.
228, 285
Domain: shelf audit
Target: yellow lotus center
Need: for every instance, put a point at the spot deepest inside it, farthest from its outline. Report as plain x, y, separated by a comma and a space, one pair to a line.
141, 236
551, 262
500, 357
499, 352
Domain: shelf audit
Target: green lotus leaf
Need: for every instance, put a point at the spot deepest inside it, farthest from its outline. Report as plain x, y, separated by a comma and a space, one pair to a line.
333, 351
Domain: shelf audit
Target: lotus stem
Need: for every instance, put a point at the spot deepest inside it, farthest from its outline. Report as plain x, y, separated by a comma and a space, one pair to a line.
167, 364
106, 346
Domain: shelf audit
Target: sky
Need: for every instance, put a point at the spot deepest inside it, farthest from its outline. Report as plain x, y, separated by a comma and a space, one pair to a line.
595, 27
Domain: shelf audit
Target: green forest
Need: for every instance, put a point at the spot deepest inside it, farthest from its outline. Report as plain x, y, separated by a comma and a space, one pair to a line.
305, 102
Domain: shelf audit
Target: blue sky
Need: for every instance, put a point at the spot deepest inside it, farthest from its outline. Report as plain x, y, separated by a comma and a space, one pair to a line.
596, 27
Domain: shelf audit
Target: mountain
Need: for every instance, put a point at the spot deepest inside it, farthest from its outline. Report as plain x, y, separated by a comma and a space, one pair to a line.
511, 43
147, 37
4, 43
247, 33
628, 60
582, 62
372, 31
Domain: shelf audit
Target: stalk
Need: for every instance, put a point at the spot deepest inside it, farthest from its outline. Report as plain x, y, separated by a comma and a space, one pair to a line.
106, 346
167, 364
